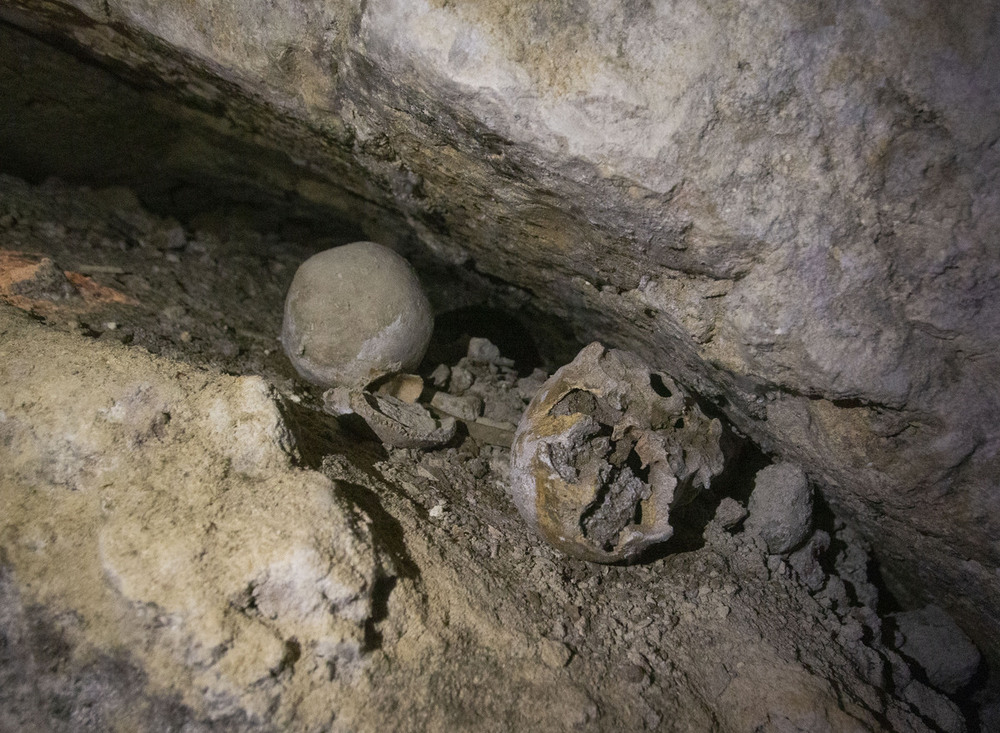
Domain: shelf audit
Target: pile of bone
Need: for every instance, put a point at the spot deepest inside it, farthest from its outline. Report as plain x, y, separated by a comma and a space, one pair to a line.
605, 451
481, 396
601, 452
356, 320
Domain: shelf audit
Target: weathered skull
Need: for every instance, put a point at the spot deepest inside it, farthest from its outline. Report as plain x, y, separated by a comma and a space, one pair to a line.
604, 451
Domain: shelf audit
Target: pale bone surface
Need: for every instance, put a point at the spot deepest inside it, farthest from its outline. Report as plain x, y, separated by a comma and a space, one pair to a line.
603, 453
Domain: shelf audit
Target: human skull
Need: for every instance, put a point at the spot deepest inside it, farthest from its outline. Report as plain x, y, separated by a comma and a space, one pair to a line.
605, 450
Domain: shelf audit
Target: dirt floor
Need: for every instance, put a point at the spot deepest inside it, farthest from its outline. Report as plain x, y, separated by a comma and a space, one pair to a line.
474, 622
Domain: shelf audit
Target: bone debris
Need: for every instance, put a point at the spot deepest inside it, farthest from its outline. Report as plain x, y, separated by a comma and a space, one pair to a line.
486, 400
397, 424
603, 453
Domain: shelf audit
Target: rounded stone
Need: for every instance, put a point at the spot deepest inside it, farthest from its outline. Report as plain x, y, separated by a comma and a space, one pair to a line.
353, 314
781, 507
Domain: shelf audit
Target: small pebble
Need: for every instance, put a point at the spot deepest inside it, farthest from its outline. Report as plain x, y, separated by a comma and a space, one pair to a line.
483, 351
439, 377
730, 513
466, 407
461, 380
554, 654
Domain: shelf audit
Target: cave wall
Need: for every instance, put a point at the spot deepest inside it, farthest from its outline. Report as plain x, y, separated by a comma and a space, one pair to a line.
793, 210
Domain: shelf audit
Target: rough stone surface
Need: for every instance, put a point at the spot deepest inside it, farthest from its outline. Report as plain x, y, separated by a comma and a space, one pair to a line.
353, 314
466, 407
932, 640
157, 514
605, 451
792, 208
781, 507
730, 513
470, 623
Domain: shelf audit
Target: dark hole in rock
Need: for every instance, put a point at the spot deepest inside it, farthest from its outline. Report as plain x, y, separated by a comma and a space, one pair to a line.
656, 382
634, 463
454, 328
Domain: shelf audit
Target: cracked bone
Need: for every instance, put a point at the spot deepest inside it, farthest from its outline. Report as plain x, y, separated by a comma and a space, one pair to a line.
605, 450
397, 424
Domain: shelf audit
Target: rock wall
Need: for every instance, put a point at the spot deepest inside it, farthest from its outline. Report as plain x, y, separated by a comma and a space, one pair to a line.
792, 210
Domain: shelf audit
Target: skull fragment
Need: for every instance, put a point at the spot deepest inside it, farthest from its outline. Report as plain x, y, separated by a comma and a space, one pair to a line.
605, 450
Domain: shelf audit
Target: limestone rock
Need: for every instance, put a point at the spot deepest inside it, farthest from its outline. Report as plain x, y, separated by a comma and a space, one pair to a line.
158, 506
807, 562
730, 513
781, 507
466, 407
482, 351
945, 714
931, 638
353, 314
